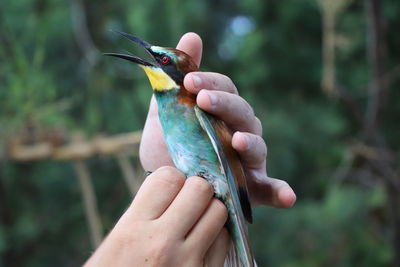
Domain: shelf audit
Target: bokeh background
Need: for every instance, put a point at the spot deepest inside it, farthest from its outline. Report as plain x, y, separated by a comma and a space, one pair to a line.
322, 75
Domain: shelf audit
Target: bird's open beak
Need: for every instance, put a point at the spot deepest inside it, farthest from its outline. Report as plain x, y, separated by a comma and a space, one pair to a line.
160, 81
134, 59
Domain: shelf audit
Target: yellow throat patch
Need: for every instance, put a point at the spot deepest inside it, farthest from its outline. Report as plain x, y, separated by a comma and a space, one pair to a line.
159, 80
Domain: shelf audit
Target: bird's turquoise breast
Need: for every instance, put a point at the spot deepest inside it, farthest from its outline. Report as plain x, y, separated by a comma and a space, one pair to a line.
188, 144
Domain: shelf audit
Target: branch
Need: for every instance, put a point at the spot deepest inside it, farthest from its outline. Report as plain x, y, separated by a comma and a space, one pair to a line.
380, 160
89, 201
76, 149
128, 172
350, 103
81, 32
376, 54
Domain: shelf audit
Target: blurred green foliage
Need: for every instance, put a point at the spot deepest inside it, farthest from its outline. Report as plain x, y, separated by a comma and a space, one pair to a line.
53, 76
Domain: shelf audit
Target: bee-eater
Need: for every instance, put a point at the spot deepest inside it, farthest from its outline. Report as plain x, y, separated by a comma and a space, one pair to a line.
199, 144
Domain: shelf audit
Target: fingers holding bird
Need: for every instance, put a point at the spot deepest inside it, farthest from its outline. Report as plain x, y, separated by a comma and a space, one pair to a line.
270, 191
218, 95
252, 150
156, 194
170, 216
208, 227
215, 256
263, 189
231, 108
196, 191
195, 81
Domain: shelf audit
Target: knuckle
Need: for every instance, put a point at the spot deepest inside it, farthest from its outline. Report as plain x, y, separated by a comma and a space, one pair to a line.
265, 150
214, 83
228, 80
262, 146
230, 84
258, 126
280, 184
283, 184
248, 112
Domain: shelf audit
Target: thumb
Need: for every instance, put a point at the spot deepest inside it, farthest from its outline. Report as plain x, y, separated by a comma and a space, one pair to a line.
191, 44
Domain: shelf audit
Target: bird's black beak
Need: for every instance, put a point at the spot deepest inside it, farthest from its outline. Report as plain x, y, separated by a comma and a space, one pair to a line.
134, 59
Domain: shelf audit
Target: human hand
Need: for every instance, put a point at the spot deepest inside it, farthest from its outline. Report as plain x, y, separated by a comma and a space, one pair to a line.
238, 115
172, 221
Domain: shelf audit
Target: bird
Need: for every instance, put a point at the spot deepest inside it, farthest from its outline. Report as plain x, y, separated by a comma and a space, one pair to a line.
198, 143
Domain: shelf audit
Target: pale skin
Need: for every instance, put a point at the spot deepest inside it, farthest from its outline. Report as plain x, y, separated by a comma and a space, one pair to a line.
177, 222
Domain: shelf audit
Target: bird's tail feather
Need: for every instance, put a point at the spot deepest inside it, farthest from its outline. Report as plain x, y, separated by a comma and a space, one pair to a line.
233, 259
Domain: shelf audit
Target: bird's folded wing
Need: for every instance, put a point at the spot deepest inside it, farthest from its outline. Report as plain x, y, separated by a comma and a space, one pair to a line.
221, 140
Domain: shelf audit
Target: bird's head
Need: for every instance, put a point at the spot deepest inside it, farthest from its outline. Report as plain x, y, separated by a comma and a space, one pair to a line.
168, 69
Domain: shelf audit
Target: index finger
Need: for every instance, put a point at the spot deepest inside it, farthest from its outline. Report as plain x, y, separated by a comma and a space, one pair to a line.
156, 193
191, 44
195, 81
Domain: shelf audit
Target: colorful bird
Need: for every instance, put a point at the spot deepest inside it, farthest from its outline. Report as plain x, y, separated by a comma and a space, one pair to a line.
198, 143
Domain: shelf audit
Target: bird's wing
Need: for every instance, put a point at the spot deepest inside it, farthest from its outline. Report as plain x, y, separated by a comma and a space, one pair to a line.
221, 140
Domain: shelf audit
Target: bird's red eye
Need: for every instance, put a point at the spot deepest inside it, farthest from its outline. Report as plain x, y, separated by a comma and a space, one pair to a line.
165, 60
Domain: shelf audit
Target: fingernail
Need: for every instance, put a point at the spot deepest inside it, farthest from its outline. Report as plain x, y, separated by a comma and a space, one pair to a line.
196, 81
213, 99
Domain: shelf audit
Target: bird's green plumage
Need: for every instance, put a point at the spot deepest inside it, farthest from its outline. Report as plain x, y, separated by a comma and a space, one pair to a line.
187, 142
193, 145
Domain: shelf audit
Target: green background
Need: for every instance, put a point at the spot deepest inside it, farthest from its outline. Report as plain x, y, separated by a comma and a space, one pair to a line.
341, 162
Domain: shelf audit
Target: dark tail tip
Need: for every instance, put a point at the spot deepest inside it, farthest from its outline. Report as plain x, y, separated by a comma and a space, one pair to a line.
246, 206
